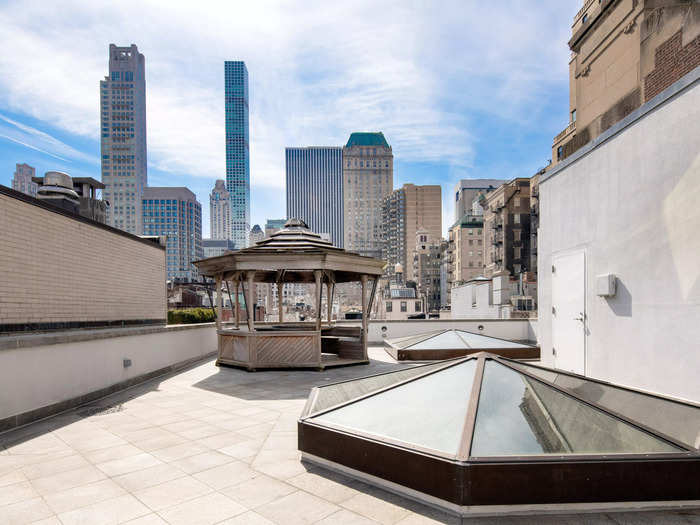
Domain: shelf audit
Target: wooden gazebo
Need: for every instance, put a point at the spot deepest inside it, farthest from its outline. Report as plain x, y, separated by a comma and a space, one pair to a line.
292, 255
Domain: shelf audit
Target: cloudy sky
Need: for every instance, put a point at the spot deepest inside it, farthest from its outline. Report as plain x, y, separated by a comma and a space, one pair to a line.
461, 89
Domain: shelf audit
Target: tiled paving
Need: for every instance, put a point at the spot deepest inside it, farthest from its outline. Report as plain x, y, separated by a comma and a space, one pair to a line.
208, 445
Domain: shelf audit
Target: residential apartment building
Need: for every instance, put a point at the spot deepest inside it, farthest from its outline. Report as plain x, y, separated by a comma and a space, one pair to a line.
220, 211
22, 179
237, 149
273, 225
467, 253
123, 137
506, 230
176, 214
624, 53
403, 213
368, 176
216, 247
534, 220
314, 177
426, 260
468, 190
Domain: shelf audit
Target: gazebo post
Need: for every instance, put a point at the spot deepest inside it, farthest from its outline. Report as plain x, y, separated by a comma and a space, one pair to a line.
280, 310
363, 282
329, 301
219, 300
250, 277
319, 294
238, 306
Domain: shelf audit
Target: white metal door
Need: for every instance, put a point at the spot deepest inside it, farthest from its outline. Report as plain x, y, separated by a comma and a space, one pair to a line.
569, 312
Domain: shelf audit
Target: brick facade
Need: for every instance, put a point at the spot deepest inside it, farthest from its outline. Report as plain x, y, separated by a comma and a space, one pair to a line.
61, 271
672, 60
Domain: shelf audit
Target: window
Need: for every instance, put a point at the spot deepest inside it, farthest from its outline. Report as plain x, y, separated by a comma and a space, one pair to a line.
516, 218
404, 306
573, 116
388, 306
560, 152
584, 19
516, 202
417, 306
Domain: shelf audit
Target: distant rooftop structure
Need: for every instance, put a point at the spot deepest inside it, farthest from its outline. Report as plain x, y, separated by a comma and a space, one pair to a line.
367, 139
402, 293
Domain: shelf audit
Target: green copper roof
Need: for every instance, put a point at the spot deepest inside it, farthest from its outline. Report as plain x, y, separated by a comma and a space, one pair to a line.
367, 139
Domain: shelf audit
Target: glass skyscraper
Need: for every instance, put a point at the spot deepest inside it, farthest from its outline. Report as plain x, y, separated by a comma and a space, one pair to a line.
176, 214
123, 137
237, 149
315, 189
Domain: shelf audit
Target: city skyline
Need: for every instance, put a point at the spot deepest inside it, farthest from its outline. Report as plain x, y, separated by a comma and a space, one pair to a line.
419, 100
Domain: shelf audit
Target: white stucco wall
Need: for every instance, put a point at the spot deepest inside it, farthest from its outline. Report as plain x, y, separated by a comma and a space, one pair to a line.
38, 376
631, 202
463, 306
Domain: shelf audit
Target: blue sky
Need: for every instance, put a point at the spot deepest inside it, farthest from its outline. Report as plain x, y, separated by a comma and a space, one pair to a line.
462, 89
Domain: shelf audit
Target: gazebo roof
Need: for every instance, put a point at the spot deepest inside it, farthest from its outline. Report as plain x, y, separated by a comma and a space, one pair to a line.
291, 255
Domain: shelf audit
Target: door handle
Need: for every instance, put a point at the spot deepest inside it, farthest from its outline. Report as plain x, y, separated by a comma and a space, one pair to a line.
582, 318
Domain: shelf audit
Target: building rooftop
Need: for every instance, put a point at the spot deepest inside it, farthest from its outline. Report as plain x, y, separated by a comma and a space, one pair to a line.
207, 445
367, 139
403, 293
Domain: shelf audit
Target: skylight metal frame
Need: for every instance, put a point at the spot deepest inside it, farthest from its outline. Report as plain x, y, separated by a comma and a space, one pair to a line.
463, 479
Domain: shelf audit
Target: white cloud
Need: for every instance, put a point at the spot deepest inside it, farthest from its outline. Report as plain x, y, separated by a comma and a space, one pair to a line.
38, 140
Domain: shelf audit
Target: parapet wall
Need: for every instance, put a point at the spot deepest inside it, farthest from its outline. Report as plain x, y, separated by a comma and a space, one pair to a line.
59, 270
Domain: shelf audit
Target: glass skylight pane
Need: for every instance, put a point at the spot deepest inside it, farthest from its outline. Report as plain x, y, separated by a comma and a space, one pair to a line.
484, 341
678, 420
448, 340
429, 412
518, 415
335, 394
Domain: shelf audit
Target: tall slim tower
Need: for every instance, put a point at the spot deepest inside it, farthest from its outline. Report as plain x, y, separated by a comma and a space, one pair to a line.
315, 189
237, 149
123, 137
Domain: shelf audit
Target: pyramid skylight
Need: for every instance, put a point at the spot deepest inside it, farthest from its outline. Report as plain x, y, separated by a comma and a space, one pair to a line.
484, 430
449, 343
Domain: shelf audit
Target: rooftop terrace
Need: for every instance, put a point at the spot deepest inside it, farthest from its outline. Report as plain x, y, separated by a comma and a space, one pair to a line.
208, 445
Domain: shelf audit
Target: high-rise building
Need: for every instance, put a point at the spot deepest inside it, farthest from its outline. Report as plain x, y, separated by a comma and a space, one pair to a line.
123, 137
467, 251
315, 189
237, 149
507, 229
403, 213
273, 225
216, 247
623, 54
468, 190
426, 261
176, 214
368, 176
220, 212
256, 235
22, 180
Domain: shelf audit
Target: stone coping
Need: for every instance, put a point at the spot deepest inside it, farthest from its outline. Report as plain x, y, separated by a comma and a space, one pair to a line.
15, 341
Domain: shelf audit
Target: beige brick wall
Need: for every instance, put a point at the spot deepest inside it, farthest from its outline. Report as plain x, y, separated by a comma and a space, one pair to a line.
56, 269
